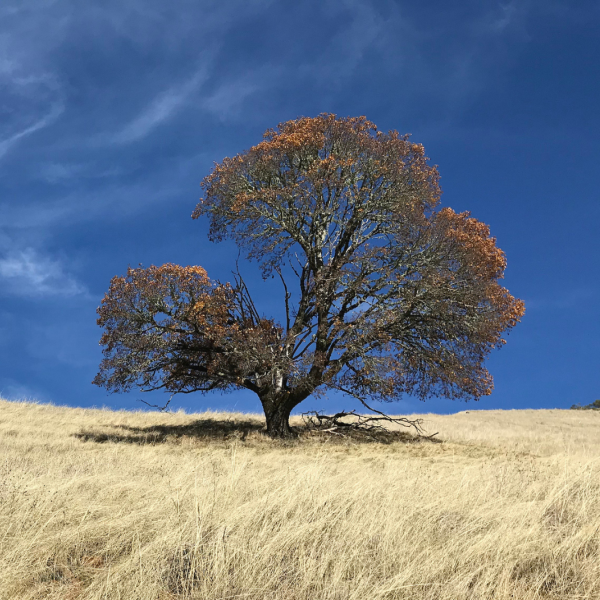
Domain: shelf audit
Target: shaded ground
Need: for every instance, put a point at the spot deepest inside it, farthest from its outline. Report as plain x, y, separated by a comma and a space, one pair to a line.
203, 429
223, 429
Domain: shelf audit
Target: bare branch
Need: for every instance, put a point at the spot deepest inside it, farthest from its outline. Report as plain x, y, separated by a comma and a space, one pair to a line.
314, 420
161, 408
288, 295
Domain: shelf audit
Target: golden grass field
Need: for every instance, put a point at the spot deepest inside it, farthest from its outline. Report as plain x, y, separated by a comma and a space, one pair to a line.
97, 504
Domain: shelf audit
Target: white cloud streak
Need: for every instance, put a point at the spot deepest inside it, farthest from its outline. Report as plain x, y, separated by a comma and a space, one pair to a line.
48, 119
32, 94
27, 273
160, 109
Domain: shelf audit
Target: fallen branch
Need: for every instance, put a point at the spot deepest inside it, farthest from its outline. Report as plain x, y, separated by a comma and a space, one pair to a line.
334, 424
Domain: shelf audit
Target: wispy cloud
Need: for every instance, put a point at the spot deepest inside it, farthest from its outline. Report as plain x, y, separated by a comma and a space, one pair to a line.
343, 52
502, 21
56, 172
27, 273
227, 99
106, 196
576, 298
17, 391
32, 93
159, 110
48, 119
7, 66
406, 50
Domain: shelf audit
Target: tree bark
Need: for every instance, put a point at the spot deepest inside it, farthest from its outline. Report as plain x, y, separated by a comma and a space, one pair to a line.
277, 409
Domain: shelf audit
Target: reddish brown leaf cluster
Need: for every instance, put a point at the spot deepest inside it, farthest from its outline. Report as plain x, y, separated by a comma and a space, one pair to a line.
171, 328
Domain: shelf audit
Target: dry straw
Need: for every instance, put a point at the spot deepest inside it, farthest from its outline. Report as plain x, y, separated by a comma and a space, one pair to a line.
96, 504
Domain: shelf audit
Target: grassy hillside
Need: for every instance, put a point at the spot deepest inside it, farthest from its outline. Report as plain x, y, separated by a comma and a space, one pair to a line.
119, 505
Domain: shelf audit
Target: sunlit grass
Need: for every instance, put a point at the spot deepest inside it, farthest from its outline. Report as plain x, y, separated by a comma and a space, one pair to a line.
101, 504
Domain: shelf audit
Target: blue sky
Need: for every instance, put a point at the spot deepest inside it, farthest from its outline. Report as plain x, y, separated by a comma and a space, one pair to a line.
111, 114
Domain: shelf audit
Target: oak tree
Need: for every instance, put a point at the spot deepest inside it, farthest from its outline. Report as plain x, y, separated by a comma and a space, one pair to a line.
385, 293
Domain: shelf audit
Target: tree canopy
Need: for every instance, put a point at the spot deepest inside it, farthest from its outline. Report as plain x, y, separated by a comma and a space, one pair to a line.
385, 293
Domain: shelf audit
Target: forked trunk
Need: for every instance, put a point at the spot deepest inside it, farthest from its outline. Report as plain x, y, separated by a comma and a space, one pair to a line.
277, 413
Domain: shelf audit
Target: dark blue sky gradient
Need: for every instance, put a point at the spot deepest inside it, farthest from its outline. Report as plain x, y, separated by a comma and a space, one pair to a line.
111, 115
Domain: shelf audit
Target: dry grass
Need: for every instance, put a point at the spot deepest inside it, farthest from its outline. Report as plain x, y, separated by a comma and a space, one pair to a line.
119, 505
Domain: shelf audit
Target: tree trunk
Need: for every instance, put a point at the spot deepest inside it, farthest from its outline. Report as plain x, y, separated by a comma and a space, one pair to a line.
277, 411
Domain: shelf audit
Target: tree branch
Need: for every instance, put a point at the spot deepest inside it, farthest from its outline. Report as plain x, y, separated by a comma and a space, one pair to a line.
288, 295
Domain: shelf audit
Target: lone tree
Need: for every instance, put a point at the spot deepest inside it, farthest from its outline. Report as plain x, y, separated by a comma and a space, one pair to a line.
391, 295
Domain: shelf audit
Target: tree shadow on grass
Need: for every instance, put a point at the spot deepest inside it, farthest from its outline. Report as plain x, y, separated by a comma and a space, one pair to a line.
215, 430
202, 429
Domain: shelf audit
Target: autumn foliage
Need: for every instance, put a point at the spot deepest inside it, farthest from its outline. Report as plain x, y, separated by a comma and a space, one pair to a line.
170, 328
392, 295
